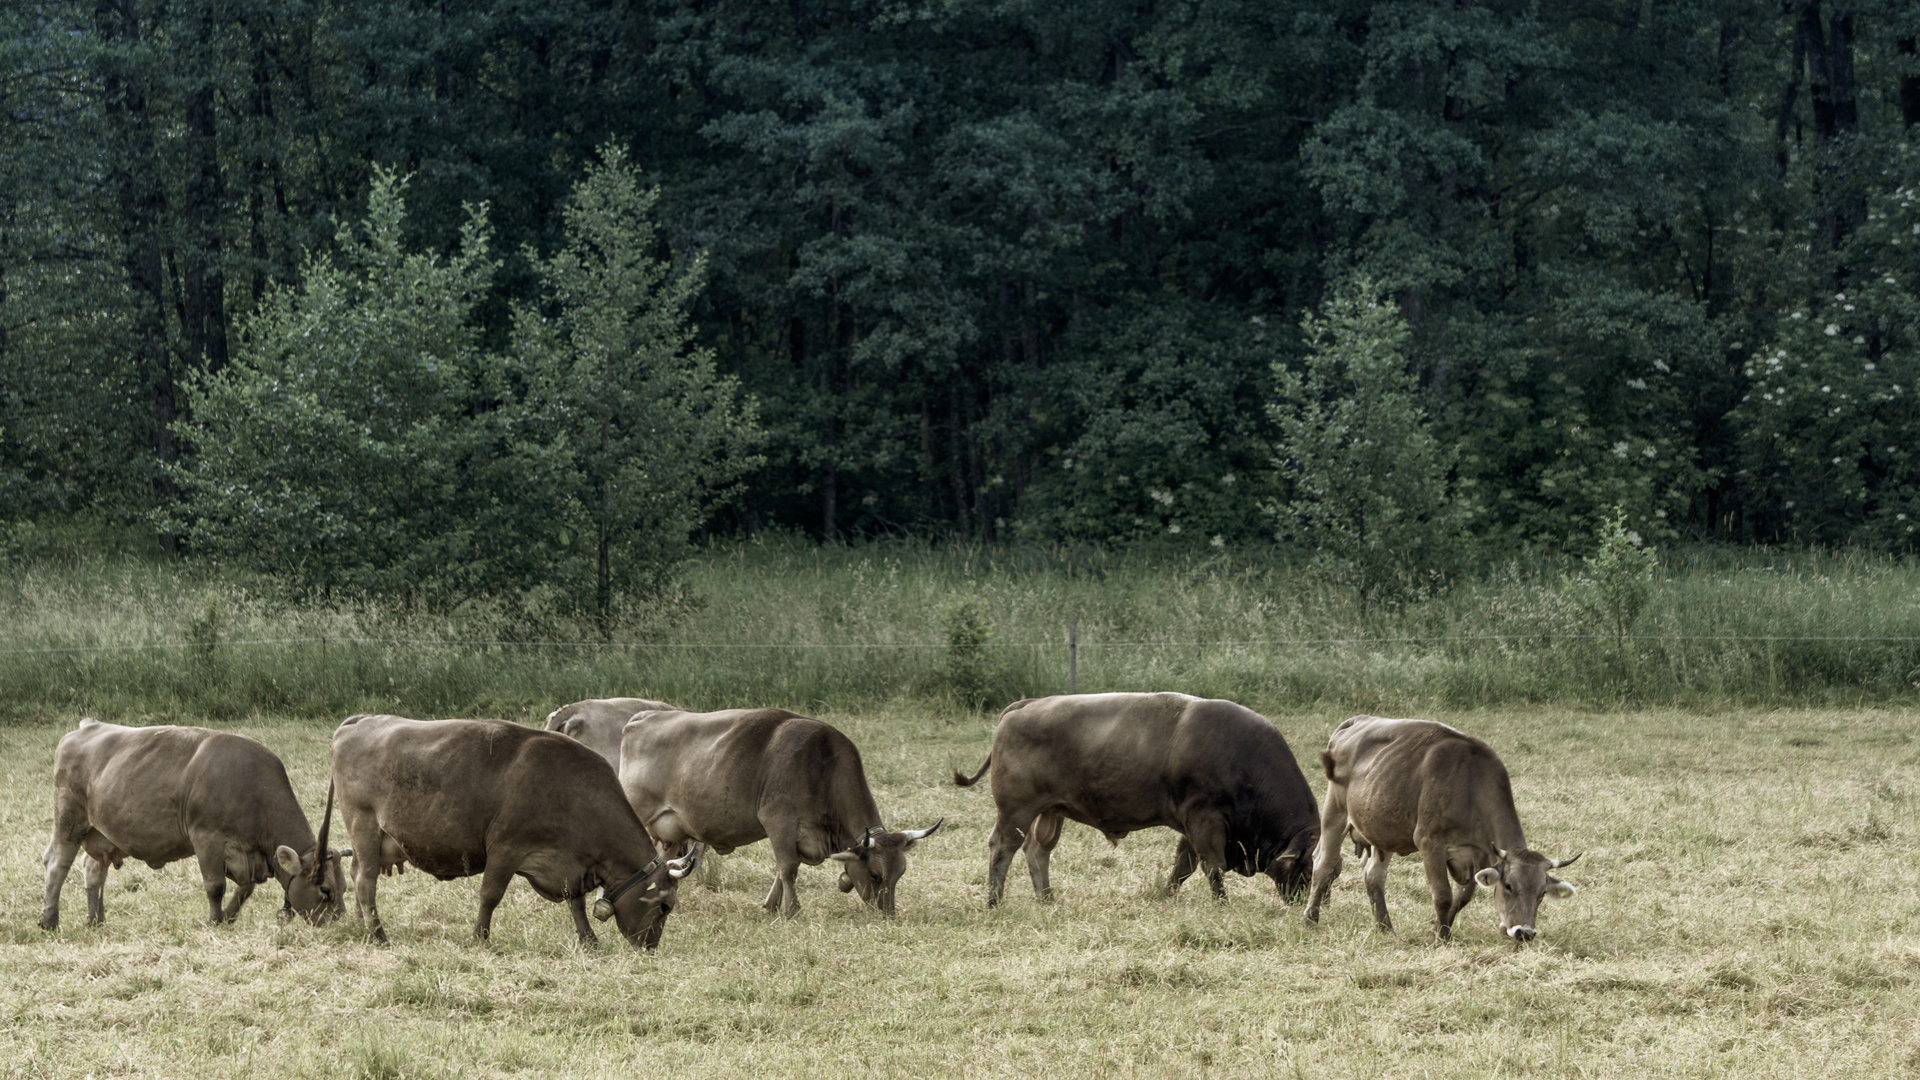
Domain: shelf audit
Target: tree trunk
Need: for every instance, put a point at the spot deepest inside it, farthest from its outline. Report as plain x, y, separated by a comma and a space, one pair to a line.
1841, 200
1909, 47
133, 176
956, 461
203, 294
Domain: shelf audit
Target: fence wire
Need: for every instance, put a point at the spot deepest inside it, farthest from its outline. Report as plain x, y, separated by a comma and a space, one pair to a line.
1436, 639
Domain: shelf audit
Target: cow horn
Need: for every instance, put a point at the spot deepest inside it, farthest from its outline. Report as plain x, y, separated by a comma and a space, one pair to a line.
922, 834
1558, 863
682, 866
320, 847
1502, 852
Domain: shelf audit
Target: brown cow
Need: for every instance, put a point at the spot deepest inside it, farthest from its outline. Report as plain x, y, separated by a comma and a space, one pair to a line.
1215, 772
735, 777
1401, 786
158, 794
463, 797
599, 721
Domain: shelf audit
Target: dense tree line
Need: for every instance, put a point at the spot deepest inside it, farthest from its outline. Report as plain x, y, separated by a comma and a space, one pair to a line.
998, 268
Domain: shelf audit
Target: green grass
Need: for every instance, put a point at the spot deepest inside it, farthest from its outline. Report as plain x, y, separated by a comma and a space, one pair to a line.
777, 621
1749, 906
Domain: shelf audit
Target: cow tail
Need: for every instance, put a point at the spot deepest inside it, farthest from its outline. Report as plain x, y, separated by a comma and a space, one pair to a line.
962, 780
1326, 762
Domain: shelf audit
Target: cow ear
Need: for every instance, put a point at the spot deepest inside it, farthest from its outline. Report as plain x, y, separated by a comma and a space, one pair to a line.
845, 856
287, 859
1488, 877
1561, 890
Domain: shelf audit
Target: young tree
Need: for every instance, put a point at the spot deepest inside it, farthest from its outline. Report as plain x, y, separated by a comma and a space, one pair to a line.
637, 429
1371, 496
347, 446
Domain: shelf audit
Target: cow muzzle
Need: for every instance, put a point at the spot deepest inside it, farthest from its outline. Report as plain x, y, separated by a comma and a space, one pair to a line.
1522, 934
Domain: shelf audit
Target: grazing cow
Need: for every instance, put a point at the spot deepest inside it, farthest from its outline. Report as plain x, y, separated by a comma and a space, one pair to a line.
463, 797
734, 777
1213, 771
158, 794
1401, 786
599, 721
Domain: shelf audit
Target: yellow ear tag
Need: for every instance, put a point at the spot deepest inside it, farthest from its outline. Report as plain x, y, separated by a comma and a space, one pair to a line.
655, 887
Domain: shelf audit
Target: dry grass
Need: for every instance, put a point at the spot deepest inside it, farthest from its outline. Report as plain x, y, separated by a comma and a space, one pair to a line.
1749, 906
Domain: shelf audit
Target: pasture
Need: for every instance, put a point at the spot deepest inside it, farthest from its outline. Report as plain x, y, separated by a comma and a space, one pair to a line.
1749, 906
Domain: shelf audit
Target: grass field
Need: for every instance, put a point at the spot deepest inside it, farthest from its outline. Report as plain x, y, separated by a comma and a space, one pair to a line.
862, 627
1749, 905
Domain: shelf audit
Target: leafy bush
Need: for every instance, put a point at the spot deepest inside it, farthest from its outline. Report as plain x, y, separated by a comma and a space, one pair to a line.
354, 444
363, 443
1614, 588
1371, 495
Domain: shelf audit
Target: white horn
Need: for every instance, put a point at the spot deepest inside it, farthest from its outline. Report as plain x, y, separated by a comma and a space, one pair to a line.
922, 834
1558, 863
682, 866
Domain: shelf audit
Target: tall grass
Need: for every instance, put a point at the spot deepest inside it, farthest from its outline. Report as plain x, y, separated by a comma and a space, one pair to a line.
779, 621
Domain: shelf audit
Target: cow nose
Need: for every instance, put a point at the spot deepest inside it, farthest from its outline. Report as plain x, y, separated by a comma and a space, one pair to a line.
1522, 933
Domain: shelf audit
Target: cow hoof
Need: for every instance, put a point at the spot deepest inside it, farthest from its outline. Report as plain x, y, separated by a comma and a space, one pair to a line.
50, 924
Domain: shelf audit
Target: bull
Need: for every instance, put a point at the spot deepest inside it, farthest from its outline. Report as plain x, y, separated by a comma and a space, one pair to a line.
159, 794
739, 776
462, 797
598, 722
1401, 786
1215, 772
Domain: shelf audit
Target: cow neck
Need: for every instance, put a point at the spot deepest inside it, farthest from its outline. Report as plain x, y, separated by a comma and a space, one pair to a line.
286, 825
612, 891
612, 867
1505, 822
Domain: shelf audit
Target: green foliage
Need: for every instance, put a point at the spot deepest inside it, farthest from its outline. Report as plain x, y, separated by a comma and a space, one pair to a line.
1371, 496
633, 433
969, 661
1168, 448
363, 443
352, 445
1614, 587
1830, 412
953, 248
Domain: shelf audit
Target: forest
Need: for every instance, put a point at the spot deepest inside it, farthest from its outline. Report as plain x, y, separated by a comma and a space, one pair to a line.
1005, 271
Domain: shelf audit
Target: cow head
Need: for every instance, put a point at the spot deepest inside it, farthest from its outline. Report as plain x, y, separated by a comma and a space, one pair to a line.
874, 866
639, 906
1292, 869
1519, 881
316, 889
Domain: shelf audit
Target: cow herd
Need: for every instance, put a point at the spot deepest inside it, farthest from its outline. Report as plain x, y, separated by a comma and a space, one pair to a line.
620, 797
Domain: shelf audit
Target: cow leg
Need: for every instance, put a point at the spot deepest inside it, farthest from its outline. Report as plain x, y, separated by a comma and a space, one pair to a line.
242, 889
577, 905
366, 884
1462, 870
783, 896
784, 841
1039, 848
493, 886
1326, 858
1376, 878
1185, 862
1002, 842
95, 870
58, 862
212, 857
1206, 835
